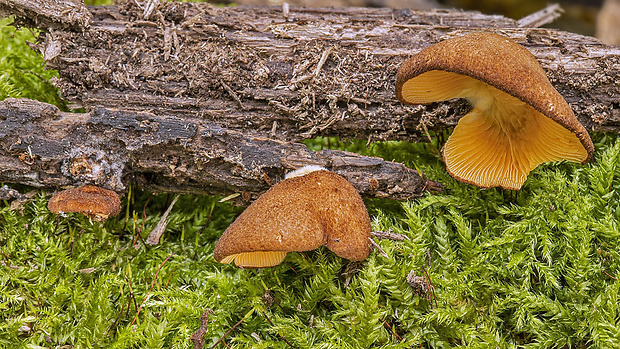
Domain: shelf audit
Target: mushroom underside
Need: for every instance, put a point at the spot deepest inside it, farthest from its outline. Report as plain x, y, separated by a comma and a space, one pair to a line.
257, 259
501, 139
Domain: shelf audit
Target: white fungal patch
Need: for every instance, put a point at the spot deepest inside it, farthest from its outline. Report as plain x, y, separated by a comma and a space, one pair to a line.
302, 171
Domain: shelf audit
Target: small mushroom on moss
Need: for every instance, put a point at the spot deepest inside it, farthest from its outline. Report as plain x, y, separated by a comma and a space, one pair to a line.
518, 120
94, 202
302, 212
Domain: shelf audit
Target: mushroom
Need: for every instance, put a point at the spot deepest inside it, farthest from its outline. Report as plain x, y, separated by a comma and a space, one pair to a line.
94, 202
518, 119
300, 213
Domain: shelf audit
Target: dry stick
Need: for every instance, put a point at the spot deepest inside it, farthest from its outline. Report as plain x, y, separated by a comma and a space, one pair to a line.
542, 17
430, 286
372, 242
232, 328
152, 284
388, 234
391, 328
271, 323
609, 275
318, 68
233, 94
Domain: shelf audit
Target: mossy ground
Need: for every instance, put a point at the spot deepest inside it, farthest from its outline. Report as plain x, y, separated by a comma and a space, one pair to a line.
534, 268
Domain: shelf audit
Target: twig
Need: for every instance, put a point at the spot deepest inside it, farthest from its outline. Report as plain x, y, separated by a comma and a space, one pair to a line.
281, 336
391, 328
150, 6
609, 275
318, 68
542, 17
150, 289
232, 94
232, 328
285, 10
229, 197
372, 242
322, 61
389, 235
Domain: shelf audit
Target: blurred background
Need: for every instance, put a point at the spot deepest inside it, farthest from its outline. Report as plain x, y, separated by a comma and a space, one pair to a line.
599, 18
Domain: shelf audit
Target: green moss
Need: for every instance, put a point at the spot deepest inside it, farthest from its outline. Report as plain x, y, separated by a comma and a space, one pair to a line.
535, 268
22, 70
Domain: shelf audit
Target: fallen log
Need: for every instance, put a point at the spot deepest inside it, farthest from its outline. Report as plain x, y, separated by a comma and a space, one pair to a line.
44, 147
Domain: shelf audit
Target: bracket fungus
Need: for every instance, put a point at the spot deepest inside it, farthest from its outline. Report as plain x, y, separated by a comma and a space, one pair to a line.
518, 119
311, 207
94, 202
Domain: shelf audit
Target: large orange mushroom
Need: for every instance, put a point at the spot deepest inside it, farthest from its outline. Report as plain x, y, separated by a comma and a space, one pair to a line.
518, 119
313, 207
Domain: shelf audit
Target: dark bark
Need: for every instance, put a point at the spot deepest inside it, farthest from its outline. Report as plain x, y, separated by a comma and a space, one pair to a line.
42, 146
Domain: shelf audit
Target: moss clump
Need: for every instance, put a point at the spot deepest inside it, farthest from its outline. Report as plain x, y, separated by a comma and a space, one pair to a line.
22, 71
534, 268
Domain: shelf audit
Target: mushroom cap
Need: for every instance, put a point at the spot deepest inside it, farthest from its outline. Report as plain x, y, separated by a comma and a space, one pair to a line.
518, 120
298, 214
95, 202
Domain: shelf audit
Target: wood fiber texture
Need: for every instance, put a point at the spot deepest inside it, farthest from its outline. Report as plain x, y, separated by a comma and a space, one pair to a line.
319, 71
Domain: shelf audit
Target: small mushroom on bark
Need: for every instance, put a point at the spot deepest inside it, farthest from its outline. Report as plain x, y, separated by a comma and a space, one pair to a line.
94, 202
302, 212
518, 120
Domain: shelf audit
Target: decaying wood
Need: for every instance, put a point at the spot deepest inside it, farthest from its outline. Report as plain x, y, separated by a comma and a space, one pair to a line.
42, 146
47, 14
187, 97
319, 71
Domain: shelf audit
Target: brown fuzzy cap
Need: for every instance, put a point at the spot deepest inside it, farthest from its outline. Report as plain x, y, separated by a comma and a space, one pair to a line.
93, 202
501, 63
301, 214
